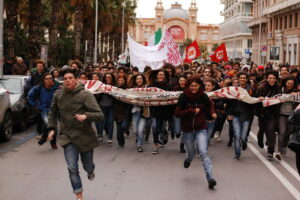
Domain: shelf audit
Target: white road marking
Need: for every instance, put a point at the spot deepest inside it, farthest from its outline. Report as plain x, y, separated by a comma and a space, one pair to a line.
285, 182
284, 164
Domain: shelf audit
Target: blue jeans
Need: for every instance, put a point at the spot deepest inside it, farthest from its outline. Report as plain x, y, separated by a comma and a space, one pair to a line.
135, 122
72, 156
121, 128
177, 127
143, 127
107, 123
210, 129
198, 139
240, 129
99, 128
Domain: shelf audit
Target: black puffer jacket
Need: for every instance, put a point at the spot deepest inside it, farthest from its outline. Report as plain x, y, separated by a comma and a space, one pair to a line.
241, 109
265, 90
162, 112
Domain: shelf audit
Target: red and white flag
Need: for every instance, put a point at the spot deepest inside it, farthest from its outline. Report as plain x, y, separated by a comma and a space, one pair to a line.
192, 52
220, 54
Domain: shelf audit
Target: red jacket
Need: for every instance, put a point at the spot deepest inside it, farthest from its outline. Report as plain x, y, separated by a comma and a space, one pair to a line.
186, 107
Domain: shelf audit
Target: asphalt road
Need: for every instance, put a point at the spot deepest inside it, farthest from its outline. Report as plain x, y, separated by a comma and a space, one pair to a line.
32, 172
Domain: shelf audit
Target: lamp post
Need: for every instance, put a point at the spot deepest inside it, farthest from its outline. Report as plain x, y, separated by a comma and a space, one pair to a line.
96, 34
123, 10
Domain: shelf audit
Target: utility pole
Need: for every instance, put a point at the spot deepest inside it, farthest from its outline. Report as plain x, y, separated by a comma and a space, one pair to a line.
1, 36
259, 44
123, 5
96, 34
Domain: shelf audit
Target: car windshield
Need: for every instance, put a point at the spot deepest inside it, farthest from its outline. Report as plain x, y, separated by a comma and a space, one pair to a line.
13, 85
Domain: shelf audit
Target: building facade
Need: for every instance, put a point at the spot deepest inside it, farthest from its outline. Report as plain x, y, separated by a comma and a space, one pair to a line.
181, 23
259, 33
235, 32
283, 31
276, 31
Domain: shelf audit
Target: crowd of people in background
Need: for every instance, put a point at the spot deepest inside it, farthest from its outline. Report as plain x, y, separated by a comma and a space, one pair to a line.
196, 119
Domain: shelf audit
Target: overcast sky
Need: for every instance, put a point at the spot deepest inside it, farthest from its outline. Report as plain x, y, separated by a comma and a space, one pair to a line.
208, 10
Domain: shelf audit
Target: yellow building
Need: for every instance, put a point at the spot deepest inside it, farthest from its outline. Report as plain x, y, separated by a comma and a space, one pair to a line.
181, 23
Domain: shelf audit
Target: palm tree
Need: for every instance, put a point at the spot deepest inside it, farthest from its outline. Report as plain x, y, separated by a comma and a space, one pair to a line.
80, 6
35, 30
59, 10
11, 7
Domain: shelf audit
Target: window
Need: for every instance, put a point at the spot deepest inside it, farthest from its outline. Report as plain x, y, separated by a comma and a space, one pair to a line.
280, 23
249, 43
291, 21
296, 20
271, 23
203, 36
276, 23
214, 37
285, 22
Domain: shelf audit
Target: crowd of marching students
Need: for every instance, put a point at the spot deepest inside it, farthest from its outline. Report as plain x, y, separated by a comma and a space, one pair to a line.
196, 119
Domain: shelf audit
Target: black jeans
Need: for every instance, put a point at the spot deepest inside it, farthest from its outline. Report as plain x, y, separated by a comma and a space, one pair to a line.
270, 122
121, 128
298, 161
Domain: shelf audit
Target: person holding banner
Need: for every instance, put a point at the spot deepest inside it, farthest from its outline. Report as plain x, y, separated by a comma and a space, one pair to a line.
161, 114
269, 114
241, 114
140, 114
193, 108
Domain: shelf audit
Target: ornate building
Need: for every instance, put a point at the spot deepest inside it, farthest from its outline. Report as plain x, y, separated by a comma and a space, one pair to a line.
181, 23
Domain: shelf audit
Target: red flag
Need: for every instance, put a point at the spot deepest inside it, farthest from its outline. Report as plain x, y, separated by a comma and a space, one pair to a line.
192, 52
220, 54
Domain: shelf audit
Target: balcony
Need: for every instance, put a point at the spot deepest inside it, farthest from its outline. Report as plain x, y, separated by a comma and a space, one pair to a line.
257, 21
280, 6
245, 1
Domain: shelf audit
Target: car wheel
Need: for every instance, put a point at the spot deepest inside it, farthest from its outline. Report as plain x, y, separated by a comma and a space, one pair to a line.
6, 130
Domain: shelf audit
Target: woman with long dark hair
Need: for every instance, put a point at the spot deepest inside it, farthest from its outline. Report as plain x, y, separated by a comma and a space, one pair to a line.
160, 114
193, 108
121, 112
141, 121
180, 86
107, 106
289, 85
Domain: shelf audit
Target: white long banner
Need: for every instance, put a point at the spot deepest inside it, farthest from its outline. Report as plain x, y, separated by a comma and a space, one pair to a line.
159, 97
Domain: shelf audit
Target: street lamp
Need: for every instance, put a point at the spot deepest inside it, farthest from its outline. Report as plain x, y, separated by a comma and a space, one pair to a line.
96, 34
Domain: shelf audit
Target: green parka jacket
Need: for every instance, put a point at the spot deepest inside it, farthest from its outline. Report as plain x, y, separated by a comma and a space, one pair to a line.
66, 104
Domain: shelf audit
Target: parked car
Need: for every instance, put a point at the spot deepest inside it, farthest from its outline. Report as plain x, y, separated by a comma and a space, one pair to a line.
6, 123
22, 111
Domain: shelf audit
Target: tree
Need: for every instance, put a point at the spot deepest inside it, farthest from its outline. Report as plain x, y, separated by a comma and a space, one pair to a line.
80, 6
215, 46
187, 42
11, 27
35, 30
